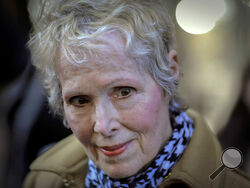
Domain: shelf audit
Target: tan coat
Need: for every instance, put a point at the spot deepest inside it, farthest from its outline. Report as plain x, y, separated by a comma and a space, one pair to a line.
65, 165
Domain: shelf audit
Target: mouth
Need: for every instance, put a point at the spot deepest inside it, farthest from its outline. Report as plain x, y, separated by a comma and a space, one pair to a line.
114, 150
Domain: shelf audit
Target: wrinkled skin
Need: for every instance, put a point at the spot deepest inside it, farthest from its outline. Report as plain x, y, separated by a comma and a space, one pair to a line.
111, 102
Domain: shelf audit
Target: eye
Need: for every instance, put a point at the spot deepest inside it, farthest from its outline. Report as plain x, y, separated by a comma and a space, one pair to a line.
79, 101
123, 92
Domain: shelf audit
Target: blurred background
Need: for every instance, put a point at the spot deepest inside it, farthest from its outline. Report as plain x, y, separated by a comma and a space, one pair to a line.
213, 45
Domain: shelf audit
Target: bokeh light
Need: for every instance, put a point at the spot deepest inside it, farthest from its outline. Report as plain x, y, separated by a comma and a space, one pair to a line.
199, 16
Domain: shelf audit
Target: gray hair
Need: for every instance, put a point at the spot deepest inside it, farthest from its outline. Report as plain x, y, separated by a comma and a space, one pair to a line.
73, 26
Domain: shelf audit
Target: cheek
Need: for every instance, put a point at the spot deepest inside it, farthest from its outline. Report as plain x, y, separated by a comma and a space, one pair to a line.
80, 126
145, 115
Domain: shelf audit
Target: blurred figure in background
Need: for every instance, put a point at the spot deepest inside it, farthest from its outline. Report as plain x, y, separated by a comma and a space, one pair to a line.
14, 26
24, 118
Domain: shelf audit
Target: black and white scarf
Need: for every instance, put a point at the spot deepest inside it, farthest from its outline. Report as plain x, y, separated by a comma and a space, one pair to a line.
161, 165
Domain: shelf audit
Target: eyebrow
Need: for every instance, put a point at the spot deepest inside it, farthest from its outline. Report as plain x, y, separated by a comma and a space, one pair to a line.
120, 80
72, 92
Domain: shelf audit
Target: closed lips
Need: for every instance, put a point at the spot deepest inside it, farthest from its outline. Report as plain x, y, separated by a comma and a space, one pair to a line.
115, 149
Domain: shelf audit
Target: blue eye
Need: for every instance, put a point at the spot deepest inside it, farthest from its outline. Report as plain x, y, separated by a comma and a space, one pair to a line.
79, 101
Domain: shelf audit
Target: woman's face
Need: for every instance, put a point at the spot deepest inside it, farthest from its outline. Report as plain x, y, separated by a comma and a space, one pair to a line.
117, 112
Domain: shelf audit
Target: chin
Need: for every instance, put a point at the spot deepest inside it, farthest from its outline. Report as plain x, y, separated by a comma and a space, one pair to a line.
118, 174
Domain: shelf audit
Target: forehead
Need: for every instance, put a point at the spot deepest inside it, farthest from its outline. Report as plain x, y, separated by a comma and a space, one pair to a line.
113, 58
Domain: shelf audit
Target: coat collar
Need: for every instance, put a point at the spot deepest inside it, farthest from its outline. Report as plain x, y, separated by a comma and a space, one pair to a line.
200, 159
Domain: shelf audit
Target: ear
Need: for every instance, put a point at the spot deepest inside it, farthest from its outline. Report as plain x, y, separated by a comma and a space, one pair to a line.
173, 62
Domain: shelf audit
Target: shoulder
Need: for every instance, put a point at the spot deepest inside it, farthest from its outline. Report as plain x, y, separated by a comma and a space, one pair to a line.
236, 178
63, 164
201, 158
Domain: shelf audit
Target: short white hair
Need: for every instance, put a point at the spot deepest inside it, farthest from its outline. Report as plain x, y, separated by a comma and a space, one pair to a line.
74, 25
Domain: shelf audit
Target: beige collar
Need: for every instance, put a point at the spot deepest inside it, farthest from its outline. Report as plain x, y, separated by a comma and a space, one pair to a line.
199, 160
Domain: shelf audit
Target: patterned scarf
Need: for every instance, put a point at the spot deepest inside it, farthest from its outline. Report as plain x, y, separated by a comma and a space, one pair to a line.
159, 168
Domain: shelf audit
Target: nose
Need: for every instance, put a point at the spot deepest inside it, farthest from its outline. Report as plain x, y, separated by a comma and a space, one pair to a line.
106, 119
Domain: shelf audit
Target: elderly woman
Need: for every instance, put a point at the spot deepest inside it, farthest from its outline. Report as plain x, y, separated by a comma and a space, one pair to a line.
111, 73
